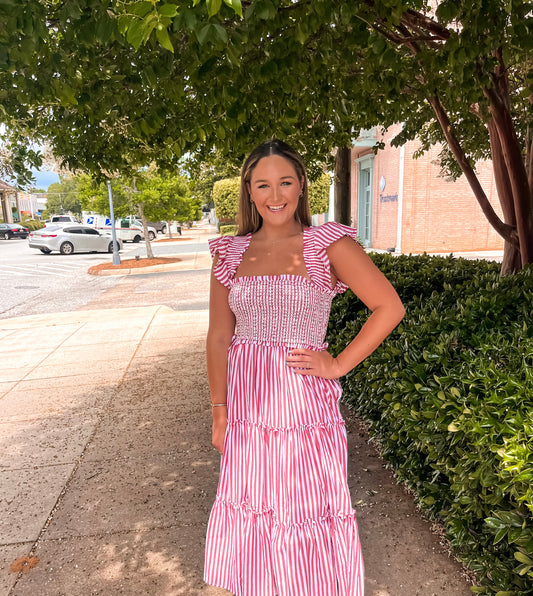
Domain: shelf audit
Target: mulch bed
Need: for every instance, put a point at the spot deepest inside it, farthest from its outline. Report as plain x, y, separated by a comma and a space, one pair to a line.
134, 263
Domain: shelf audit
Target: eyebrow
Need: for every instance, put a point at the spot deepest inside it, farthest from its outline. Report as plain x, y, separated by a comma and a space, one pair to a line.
282, 178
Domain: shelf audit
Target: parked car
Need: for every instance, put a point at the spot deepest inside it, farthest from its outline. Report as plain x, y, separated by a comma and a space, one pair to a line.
12, 230
71, 238
160, 226
61, 220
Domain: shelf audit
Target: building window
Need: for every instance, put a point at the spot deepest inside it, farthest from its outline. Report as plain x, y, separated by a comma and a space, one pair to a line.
364, 198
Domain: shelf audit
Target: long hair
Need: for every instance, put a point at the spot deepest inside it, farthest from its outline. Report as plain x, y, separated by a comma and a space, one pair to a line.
248, 217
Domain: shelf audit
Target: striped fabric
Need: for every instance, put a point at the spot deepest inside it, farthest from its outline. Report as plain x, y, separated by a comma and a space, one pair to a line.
282, 523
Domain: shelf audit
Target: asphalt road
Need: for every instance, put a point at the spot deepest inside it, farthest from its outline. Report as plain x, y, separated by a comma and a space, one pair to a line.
34, 283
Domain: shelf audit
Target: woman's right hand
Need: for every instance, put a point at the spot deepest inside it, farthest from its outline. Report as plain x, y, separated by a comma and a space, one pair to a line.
220, 423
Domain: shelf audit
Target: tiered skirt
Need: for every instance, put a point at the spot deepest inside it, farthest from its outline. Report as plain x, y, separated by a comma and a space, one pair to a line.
282, 523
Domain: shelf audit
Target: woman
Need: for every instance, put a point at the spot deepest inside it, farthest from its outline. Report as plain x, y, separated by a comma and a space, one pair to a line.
282, 523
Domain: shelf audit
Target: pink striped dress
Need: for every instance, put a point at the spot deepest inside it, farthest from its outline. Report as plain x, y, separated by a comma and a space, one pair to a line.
282, 523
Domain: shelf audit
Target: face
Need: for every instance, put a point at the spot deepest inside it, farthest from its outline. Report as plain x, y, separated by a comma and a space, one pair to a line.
275, 189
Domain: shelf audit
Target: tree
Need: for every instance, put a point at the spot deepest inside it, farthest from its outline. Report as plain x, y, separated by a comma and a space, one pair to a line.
163, 197
205, 171
451, 75
63, 196
150, 194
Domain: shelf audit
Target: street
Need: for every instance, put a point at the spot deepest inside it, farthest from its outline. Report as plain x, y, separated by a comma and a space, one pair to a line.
35, 283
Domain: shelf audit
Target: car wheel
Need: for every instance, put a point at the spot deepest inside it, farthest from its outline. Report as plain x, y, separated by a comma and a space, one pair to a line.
164, 230
137, 238
151, 235
67, 248
45, 251
6, 236
110, 247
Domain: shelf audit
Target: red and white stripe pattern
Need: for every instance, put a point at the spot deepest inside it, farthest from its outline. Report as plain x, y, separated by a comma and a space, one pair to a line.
282, 523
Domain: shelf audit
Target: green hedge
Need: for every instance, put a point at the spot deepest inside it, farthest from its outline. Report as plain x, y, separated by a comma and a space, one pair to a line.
226, 198
450, 396
228, 230
32, 224
319, 194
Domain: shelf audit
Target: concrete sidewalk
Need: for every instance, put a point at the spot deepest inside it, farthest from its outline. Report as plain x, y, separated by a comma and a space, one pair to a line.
107, 474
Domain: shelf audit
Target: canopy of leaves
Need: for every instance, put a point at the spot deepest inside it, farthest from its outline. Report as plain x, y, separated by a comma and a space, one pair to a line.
311, 73
163, 196
116, 84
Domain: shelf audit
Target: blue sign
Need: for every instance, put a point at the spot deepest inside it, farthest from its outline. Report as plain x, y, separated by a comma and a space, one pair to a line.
107, 221
90, 221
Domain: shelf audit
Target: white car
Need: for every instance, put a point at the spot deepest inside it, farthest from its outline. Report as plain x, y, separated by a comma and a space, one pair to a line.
61, 220
70, 239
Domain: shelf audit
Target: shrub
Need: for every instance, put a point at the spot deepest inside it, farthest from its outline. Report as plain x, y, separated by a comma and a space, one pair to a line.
226, 198
319, 194
32, 224
229, 230
450, 396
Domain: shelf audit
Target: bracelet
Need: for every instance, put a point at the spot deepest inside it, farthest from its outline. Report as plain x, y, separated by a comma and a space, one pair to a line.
218, 405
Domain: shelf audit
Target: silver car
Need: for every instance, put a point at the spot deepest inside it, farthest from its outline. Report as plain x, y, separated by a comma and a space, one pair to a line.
71, 238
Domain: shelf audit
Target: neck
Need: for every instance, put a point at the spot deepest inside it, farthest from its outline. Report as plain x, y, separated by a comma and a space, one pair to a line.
278, 233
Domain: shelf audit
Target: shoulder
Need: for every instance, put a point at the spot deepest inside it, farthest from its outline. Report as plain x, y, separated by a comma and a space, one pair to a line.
330, 232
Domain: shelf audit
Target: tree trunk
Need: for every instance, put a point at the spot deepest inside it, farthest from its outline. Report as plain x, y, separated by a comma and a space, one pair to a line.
169, 228
512, 261
149, 253
342, 201
507, 232
516, 172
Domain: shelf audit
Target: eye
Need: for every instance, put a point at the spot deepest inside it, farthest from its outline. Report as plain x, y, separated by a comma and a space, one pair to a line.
263, 186
286, 183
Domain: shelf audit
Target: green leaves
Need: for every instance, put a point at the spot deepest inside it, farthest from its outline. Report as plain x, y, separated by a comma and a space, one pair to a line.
449, 397
226, 198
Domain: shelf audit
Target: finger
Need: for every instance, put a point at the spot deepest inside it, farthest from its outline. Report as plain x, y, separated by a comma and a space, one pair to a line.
299, 363
299, 352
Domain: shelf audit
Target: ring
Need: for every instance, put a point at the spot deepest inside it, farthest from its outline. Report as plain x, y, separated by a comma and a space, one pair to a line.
307, 365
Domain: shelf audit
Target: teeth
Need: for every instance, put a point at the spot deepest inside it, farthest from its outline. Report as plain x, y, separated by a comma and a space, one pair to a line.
277, 208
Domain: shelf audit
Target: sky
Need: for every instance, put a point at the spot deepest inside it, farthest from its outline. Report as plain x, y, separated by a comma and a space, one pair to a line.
43, 179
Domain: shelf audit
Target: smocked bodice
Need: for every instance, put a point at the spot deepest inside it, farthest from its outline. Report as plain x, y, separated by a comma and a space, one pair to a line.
286, 309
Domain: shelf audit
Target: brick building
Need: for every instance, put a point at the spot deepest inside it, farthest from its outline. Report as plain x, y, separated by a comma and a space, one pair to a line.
402, 203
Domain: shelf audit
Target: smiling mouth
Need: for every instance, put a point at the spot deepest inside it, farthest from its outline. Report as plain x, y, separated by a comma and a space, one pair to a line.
277, 208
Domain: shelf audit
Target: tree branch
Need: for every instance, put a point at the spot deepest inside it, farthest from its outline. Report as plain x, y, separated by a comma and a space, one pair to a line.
506, 231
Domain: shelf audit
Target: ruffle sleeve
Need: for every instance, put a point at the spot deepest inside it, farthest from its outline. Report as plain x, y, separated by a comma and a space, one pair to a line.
324, 236
219, 247
229, 250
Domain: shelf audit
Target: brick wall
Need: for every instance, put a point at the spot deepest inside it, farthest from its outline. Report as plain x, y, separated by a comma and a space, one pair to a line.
438, 215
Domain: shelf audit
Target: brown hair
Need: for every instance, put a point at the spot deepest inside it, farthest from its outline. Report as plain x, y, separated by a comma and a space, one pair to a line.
248, 217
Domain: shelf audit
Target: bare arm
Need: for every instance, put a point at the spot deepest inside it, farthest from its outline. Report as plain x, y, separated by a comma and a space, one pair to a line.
351, 264
219, 335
